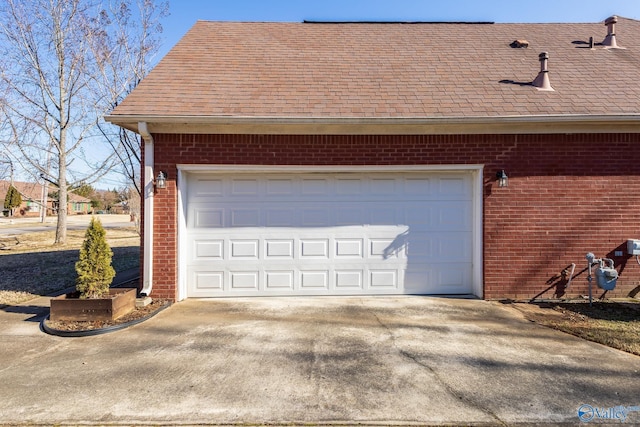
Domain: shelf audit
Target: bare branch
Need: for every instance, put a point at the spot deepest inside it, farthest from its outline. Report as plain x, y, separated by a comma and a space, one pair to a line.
63, 65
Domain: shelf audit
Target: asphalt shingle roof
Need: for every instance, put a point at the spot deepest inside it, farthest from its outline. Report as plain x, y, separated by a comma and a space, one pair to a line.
395, 70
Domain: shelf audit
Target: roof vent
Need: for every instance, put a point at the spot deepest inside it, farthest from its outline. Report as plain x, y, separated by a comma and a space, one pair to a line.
609, 42
542, 80
519, 44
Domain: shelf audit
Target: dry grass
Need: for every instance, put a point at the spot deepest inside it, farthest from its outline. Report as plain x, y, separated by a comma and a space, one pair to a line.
31, 265
614, 324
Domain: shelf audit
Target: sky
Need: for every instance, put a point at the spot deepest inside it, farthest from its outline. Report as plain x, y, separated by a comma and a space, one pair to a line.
184, 13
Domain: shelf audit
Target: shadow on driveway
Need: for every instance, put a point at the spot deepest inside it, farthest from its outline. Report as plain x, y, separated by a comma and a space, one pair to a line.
366, 360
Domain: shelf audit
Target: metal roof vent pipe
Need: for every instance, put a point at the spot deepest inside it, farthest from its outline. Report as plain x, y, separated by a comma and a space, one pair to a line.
542, 80
609, 42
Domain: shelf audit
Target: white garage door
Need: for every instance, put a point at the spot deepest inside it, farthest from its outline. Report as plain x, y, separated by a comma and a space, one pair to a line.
328, 234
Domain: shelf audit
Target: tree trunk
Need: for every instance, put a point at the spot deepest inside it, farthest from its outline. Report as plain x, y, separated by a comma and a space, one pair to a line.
61, 227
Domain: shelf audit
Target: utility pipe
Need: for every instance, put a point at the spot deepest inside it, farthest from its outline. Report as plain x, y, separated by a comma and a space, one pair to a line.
591, 259
148, 188
573, 269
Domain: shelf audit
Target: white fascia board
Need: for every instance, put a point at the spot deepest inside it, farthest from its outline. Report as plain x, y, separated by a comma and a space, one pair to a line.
542, 124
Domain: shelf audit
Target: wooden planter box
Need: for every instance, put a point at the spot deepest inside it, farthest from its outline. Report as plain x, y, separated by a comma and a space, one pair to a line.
69, 307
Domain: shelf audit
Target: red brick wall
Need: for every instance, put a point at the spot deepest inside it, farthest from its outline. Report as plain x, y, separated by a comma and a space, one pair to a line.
567, 195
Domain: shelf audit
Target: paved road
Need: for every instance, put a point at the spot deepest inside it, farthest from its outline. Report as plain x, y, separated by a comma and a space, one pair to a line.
80, 222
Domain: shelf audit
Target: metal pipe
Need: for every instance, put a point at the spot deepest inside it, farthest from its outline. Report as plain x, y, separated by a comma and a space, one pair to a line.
591, 259
573, 269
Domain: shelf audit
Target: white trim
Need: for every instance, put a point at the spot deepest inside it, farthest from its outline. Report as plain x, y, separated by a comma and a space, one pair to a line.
182, 233
147, 262
323, 169
476, 170
478, 206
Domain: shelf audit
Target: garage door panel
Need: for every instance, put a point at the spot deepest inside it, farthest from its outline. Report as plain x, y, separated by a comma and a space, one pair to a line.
315, 217
417, 187
279, 249
279, 280
382, 249
438, 247
441, 216
384, 280
455, 248
208, 250
446, 278
380, 214
245, 187
244, 217
329, 234
348, 215
280, 187
244, 280
383, 186
206, 217
314, 186
349, 186
206, 283
314, 248
349, 248
243, 249
347, 279
205, 188
452, 188
456, 215
453, 278
278, 217
314, 280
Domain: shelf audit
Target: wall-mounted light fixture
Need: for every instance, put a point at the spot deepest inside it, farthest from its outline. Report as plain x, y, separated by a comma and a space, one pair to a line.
502, 178
161, 180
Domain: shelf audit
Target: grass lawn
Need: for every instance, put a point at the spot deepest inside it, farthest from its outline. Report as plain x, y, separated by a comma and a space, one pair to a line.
612, 323
31, 265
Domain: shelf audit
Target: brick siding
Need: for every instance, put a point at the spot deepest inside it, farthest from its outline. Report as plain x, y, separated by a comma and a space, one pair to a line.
567, 195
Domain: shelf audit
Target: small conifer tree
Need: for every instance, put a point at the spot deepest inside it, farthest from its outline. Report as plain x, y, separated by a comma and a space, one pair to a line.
94, 269
12, 199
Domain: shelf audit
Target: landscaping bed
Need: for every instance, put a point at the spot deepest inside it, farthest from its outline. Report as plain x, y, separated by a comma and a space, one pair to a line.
613, 323
138, 314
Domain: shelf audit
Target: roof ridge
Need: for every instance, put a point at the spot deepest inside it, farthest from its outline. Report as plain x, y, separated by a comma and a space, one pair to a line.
401, 22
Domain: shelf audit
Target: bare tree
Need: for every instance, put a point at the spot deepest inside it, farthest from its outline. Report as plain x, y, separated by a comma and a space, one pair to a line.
135, 31
62, 68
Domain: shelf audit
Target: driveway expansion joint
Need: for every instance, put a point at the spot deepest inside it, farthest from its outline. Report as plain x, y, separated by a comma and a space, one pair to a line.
415, 360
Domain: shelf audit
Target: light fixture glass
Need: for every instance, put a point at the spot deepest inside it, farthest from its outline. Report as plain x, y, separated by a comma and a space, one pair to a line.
161, 180
503, 179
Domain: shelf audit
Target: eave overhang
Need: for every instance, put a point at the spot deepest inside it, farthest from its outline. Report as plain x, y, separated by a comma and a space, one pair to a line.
542, 124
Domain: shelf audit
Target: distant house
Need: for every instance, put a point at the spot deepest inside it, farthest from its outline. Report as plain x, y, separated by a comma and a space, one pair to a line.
372, 158
32, 200
120, 208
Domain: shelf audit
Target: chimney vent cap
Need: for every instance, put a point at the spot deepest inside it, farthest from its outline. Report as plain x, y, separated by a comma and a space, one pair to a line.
609, 41
541, 82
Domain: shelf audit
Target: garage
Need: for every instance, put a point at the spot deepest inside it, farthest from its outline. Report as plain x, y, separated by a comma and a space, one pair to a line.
327, 233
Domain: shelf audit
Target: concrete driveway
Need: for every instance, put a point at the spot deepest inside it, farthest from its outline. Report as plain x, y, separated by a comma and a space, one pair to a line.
373, 360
